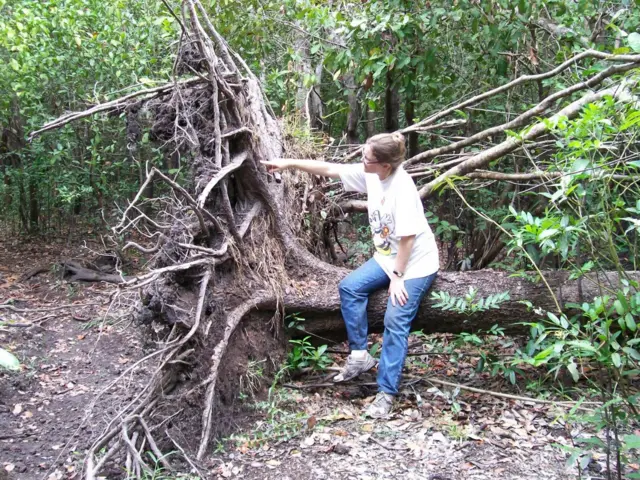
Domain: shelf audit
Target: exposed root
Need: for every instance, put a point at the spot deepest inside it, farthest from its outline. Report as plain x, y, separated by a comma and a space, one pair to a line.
233, 320
219, 241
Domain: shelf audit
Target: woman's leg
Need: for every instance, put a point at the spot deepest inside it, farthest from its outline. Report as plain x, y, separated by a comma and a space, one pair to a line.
397, 324
354, 296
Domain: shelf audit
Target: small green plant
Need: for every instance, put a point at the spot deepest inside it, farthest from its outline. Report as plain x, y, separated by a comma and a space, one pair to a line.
305, 355
294, 321
469, 304
281, 419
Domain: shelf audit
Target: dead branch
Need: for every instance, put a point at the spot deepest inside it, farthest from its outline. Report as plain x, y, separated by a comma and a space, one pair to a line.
519, 177
511, 143
118, 103
523, 118
524, 79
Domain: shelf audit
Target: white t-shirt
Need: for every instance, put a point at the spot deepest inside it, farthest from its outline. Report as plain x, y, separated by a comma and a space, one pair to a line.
395, 210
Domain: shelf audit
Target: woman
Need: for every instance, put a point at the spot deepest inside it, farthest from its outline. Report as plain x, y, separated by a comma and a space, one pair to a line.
405, 261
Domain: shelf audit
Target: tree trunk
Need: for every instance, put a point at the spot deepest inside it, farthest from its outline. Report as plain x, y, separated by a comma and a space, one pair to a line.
370, 122
412, 137
391, 105
354, 109
314, 101
321, 305
302, 68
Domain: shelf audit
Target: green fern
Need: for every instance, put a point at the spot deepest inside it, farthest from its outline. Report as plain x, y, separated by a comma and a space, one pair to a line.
469, 304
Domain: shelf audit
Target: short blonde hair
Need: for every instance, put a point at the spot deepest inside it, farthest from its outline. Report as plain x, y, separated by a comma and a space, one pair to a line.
388, 148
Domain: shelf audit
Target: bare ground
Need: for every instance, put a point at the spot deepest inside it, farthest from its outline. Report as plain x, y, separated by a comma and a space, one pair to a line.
54, 407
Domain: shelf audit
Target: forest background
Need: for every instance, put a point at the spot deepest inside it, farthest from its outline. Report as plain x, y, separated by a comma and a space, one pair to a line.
336, 73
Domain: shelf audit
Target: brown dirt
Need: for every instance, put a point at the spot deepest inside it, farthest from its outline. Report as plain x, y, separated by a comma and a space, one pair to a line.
56, 406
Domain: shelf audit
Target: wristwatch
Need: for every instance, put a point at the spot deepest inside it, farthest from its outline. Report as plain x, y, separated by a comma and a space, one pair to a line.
398, 274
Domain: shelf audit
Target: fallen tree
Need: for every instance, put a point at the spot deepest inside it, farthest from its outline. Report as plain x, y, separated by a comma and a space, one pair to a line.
320, 304
225, 244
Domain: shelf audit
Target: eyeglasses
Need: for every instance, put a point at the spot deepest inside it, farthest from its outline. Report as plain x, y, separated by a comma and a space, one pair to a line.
365, 160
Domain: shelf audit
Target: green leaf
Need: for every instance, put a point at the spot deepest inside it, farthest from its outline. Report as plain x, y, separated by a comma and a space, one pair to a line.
8, 360
15, 65
630, 441
548, 233
634, 41
632, 352
615, 358
631, 323
544, 354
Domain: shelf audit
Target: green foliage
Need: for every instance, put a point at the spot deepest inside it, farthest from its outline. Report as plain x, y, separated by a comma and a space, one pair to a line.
603, 334
61, 56
304, 355
280, 419
589, 226
469, 304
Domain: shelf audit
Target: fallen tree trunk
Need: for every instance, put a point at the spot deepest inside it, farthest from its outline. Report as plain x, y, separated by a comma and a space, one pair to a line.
320, 305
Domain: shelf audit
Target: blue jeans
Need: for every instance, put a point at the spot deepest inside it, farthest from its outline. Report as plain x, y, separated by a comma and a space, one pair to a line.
354, 296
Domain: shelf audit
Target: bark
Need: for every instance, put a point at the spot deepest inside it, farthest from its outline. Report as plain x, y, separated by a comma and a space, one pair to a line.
314, 101
302, 68
391, 105
370, 122
354, 109
412, 137
321, 306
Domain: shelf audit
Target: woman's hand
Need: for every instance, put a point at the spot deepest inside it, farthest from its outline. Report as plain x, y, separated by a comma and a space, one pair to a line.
397, 292
276, 165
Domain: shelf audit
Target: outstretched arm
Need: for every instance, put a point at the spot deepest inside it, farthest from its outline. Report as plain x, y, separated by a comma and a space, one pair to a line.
314, 167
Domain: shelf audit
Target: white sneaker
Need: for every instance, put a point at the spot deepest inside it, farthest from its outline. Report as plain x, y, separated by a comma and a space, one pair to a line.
381, 406
354, 367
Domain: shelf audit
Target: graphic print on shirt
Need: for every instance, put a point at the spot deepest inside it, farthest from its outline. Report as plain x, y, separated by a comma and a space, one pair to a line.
382, 227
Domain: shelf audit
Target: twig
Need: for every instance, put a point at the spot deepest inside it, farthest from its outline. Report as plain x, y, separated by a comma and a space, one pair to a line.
507, 395
48, 309
388, 447
184, 454
184, 29
160, 456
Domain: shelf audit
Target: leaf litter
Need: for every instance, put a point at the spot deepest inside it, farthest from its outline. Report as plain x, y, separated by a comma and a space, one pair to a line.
436, 432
